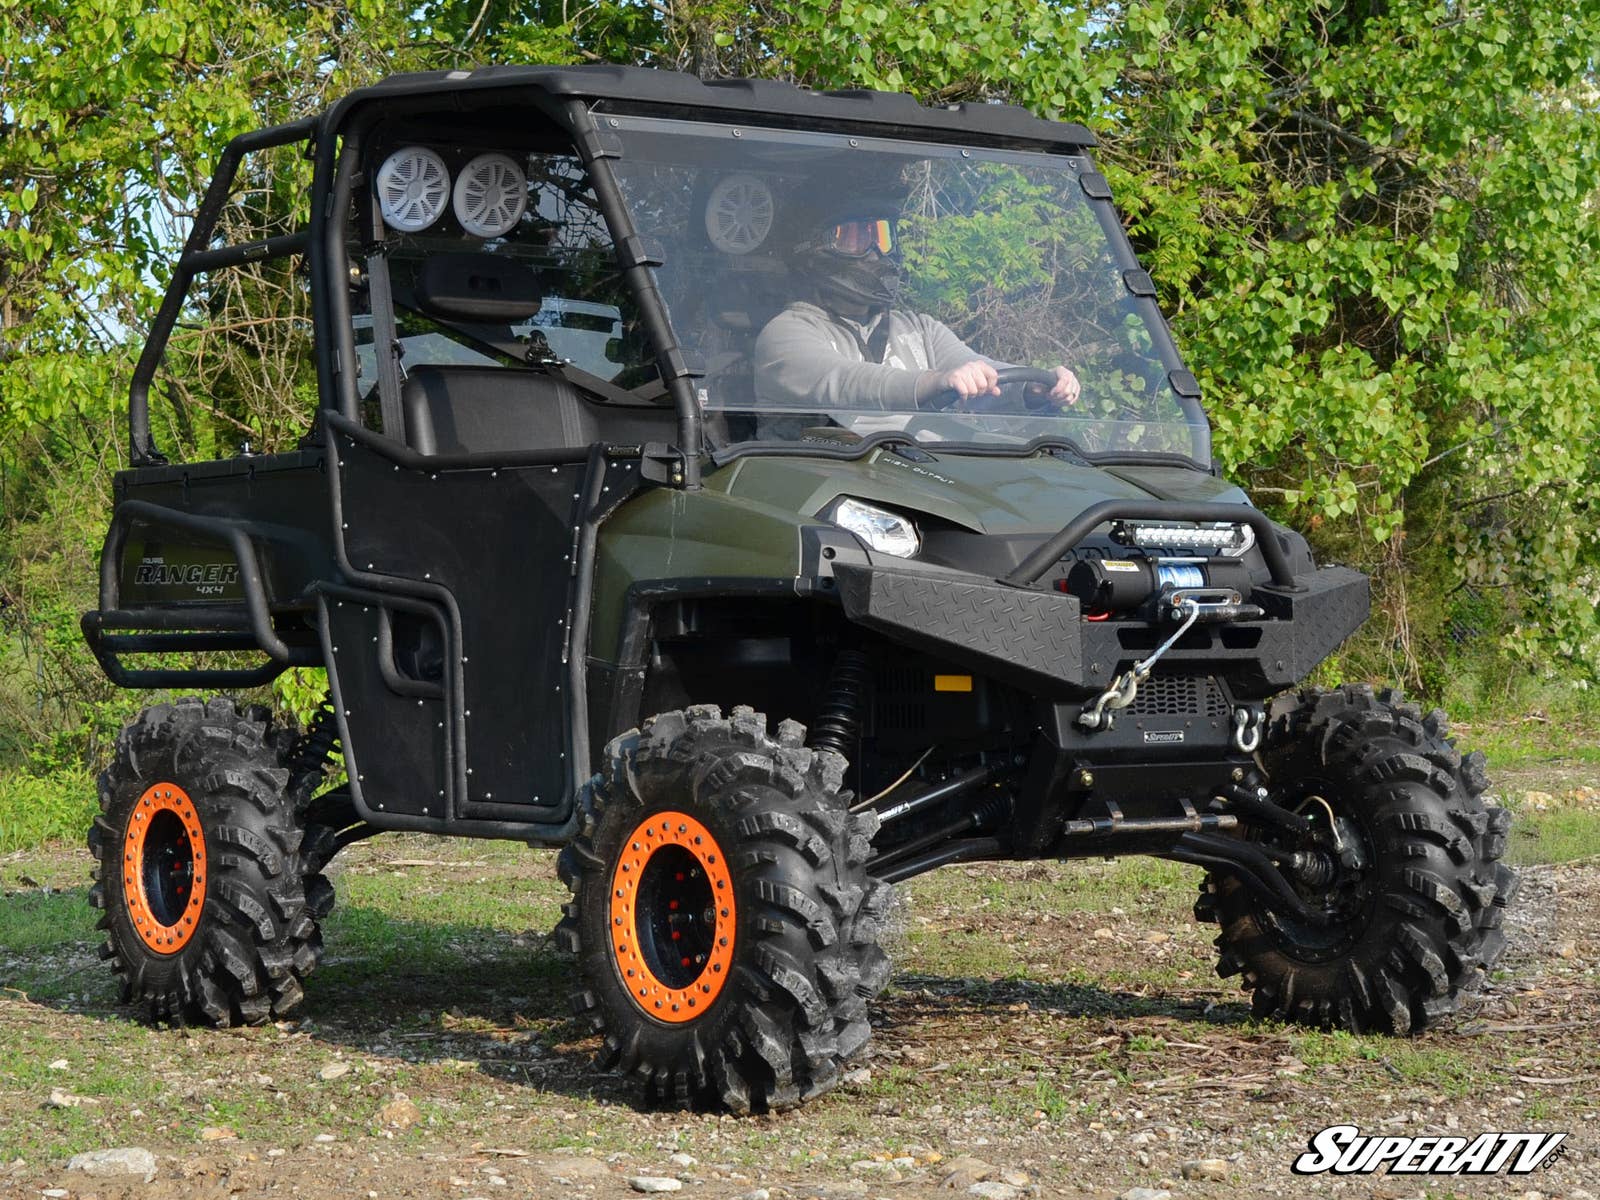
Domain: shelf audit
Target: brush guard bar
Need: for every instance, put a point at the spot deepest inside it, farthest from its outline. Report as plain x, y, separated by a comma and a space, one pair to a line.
1032, 568
112, 631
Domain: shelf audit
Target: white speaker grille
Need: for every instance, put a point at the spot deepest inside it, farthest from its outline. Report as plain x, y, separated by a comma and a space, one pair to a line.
413, 189
491, 195
739, 214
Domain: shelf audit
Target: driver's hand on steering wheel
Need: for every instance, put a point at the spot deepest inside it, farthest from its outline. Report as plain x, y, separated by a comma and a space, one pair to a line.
1066, 390
976, 378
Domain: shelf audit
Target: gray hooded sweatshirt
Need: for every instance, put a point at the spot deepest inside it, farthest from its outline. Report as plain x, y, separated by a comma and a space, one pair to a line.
810, 359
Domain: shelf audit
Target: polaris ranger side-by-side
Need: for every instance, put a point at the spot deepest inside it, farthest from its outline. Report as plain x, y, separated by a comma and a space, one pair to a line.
601, 553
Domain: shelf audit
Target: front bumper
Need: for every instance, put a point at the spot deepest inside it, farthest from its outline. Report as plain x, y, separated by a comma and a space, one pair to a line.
1039, 642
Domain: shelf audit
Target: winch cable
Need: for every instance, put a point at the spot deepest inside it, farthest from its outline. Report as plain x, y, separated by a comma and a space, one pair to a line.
1100, 712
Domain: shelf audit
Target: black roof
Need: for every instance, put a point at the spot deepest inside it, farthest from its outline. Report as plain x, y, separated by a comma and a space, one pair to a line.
754, 98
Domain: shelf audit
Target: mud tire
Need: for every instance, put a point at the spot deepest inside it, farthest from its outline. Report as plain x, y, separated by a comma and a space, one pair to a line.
255, 936
1431, 927
805, 956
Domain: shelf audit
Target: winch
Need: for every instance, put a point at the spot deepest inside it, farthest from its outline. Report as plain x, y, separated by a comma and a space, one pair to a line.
1215, 586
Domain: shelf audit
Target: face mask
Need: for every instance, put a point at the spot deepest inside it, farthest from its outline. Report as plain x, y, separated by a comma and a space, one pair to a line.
867, 284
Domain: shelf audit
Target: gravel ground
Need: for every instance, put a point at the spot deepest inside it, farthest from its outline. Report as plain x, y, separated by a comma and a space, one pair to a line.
1052, 1030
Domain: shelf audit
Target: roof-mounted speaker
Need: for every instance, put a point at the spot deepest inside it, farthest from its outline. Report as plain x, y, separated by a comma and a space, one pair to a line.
491, 194
413, 189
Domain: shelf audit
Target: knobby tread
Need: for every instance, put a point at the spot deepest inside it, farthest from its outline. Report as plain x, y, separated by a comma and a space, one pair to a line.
1433, 929
257, 937
806, 958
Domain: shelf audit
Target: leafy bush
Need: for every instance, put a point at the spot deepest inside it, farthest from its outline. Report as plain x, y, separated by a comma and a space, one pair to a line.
41, 808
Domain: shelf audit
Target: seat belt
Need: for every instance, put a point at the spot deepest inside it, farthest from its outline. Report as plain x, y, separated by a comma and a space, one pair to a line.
877, 347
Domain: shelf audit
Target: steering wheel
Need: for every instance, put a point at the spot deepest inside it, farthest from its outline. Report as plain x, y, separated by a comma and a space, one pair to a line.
948, 397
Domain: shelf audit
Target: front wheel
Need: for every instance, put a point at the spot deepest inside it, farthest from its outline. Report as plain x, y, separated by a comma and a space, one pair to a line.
1410, 886
724, 923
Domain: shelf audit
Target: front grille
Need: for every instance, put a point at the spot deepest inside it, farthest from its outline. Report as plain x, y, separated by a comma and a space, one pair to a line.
1179, 696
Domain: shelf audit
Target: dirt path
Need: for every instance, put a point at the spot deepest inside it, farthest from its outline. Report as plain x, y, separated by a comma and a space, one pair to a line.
1052, 1029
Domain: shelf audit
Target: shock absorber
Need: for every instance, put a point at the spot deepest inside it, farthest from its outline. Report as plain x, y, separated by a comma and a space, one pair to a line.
838, 723
1313, 867
314, 750
992, 811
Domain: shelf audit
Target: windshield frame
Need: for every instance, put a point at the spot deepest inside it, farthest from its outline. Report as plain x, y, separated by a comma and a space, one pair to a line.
589, 126
1097, 194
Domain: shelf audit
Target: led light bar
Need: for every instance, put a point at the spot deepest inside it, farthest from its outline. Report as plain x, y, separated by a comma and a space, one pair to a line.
1218, 537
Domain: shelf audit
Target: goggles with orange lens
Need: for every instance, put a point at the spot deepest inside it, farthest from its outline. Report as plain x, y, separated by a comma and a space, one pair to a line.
857, 239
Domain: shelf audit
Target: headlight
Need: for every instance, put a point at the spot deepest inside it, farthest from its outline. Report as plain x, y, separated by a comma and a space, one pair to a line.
884, 531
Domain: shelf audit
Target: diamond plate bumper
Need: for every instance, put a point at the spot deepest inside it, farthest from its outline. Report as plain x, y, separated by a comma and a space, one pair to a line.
1037, 640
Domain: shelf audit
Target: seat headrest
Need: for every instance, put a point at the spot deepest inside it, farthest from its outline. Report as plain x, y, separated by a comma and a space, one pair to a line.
477, 287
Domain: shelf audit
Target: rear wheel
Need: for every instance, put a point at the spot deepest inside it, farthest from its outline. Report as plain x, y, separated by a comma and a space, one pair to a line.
1409, 879
199, 869
724, 922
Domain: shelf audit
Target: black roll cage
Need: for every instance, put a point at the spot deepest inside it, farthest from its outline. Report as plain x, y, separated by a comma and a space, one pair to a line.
571, 98
196, 259
333, 178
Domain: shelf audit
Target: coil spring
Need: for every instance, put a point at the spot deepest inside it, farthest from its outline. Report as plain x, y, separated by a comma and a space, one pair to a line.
314, 750
992, 811
1313, 867
838, 723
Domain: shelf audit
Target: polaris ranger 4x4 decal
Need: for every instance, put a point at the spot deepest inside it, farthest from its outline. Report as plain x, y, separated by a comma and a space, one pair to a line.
180, 573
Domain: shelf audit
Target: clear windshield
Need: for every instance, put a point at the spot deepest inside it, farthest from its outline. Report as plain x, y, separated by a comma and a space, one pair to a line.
830, 285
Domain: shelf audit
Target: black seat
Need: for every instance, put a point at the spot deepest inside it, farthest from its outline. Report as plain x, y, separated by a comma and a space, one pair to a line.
480, 410
501, 410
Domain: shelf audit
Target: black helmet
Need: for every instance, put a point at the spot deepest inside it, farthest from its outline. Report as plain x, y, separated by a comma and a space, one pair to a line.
852, 262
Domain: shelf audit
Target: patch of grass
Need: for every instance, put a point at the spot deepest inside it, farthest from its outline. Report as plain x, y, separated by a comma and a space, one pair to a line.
1525, 722
103, 1066
34, 921
1514, 745
962, 954
1558, 835
1447, 1071
1498, 698
1050, 1100
479, 898
35, 809
1316, 1049
1105, 1060
1136, 884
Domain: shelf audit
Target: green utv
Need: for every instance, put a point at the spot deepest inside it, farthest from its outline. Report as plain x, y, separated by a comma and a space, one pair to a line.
763, 496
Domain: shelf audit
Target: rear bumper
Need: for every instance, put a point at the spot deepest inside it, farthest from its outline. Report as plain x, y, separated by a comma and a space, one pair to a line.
1038, 641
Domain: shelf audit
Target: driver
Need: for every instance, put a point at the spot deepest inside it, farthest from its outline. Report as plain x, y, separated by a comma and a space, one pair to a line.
847, 346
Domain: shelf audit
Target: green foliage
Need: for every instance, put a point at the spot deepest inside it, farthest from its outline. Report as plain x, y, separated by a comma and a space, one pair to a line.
56, 709
1035, 53
35, 809
299, 691
1374, 227
998, 240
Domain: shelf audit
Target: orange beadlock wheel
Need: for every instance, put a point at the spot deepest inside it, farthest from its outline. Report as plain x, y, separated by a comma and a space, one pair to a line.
672, 917
164, 868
